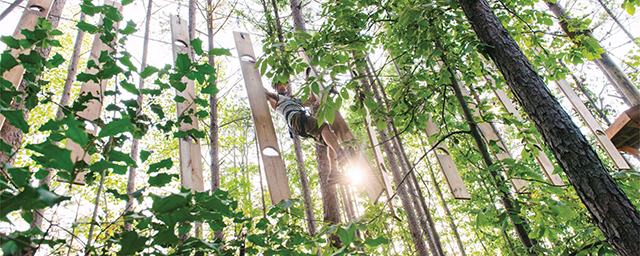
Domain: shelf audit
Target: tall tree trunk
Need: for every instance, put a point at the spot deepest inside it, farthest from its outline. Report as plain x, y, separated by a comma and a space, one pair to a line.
213, 117
54, 17
426, 220
135, 150
621, 81
330, 204
192, 24
296, 13
612, 211
615, 19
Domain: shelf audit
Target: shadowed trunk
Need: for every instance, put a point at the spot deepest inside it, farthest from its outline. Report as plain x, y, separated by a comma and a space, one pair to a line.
610, 208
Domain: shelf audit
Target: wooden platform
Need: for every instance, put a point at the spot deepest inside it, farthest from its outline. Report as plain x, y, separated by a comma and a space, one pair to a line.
625, 131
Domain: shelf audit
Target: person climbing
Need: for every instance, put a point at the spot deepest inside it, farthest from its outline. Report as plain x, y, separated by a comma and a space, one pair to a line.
306, 126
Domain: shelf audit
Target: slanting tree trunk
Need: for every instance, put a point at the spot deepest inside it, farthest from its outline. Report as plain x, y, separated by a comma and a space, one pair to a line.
10, 8
514, 214
54, 17
620, 80
426, 220
610, 208
401, 190
135, 150
615, 19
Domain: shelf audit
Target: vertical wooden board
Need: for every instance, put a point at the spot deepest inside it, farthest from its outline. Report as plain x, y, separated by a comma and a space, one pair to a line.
543, 160
190, 154
593, 125
35, 9
447, 165
382, 183
277, 180
94, 106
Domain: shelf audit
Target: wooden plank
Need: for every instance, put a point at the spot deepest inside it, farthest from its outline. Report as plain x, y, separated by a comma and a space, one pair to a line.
447, 165
593, 125
625, 131
277, 180
383, 184
191, 175
94, 106
35, 9
489, 133
543, 160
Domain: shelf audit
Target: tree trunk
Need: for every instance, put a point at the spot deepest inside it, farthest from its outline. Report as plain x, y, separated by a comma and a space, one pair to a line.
426, 221
135, 150
330, 204
296, 13
612, 211
620, 80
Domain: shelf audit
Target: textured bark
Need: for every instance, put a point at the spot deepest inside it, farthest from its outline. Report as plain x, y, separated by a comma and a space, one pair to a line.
192, 24
619, 79
422, 211
296, 14
611, 210
304, 183
330, 204
505, 196
135, 150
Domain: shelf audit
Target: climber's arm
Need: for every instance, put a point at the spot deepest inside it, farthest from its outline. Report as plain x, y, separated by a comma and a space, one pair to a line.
272, 98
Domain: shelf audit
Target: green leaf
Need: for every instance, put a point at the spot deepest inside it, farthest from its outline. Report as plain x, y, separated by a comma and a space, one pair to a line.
62, 159
16, 118
10, 42
166, 163
169, 203
144, 155
183, 63
86, 27
126, 2
8, 61
20, 176
117, 195
257, 240
631, 9
116, 127
117, 156
210, 89
375, 242
55, 61
160, 180
196, 44
166, 237
130, 28
129, 87
131, 243
219, 52
148, 70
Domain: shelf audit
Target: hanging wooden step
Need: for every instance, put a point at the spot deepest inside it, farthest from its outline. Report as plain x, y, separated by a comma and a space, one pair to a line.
593, 125
383, 184
490, 134
191, 176
543, 160
625, 131
277, 180
93, 108
447, 165
35, 9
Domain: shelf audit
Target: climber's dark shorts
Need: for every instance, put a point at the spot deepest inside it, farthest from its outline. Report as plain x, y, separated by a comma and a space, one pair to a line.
310, 127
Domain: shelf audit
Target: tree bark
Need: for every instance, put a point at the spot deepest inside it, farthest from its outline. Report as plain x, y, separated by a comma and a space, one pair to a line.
426, 220
619, 79
611, 210
330, 204
135, 150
